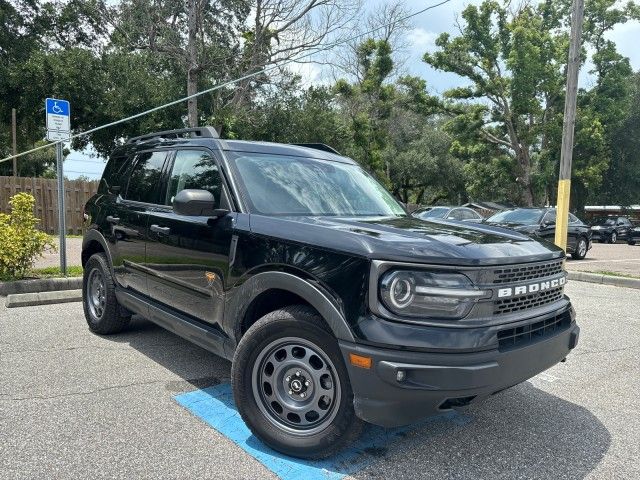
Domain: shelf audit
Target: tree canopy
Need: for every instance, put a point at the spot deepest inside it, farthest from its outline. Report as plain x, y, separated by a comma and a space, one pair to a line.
497, 137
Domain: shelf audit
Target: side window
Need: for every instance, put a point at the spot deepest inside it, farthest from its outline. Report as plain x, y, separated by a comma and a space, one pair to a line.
573, 218
112, 173
550, 217
468, 214
145, 177
194, 169
456, 214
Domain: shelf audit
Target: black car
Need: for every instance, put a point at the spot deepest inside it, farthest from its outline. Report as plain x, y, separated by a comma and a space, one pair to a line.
334, 305
462, 214
634, 236
541, 222
611, 229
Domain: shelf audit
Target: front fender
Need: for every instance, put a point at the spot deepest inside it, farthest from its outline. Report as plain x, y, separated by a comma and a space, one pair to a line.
240, 297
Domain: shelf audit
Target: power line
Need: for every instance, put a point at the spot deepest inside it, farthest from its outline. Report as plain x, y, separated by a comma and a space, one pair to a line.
275, 66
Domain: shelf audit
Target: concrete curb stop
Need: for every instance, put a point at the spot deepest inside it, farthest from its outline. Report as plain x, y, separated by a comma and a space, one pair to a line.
40, 285
43, 298
605, 279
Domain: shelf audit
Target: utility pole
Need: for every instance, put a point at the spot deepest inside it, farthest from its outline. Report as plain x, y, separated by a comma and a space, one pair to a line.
566, 154
15, 144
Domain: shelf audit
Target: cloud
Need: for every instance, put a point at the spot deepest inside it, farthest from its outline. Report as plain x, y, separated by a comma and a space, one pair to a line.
421, 39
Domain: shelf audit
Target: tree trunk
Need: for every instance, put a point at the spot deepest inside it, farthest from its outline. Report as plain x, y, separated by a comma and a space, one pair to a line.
192, 63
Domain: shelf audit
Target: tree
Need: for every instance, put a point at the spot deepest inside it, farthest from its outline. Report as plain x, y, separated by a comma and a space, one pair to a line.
515, 62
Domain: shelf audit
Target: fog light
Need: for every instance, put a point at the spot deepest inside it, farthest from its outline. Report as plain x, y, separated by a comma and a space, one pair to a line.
401, 375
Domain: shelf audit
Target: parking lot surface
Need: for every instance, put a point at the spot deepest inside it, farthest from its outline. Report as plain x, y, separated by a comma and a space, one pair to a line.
77, 405
603, 257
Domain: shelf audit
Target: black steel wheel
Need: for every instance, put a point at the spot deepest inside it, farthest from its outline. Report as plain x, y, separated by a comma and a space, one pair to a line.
291, 386
101, 309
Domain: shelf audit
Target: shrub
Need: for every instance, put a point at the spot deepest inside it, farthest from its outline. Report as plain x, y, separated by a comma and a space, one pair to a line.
20, 241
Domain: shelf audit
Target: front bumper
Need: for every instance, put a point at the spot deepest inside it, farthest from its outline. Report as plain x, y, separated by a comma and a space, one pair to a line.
404, 386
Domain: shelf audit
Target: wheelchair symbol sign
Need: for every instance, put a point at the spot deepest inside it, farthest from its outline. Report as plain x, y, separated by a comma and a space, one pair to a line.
58, 113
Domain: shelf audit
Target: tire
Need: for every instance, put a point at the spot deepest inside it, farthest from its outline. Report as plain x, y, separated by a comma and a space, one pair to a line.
101, 309
631, 242
581, 249
614, 237
265, 389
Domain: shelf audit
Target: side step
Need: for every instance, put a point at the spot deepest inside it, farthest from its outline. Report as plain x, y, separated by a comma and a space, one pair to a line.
205, 336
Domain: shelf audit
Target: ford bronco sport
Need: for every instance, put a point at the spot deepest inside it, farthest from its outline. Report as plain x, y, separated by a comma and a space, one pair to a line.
335, 305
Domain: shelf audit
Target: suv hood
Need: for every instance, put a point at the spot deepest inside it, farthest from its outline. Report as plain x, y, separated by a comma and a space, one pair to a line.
409, 239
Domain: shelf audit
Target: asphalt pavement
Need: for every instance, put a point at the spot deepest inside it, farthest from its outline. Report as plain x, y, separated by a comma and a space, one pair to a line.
617, 258
77, 405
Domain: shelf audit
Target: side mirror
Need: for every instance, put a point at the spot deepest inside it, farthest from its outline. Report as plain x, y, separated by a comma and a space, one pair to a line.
194, 202
548, 223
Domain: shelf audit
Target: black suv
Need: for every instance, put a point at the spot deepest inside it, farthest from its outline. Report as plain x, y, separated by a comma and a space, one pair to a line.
612, 229
541, 222
333, 303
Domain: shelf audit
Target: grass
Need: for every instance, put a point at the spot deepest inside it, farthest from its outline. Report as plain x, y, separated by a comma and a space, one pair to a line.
48, 272
616, 274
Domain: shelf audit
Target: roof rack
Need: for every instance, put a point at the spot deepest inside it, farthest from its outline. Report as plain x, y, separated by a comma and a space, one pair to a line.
318, 146
197, 132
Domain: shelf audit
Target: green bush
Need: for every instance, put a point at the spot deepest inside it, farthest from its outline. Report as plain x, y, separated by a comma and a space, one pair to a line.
20, 241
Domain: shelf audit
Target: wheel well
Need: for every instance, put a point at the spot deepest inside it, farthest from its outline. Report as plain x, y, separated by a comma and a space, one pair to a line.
267, 302
93, 247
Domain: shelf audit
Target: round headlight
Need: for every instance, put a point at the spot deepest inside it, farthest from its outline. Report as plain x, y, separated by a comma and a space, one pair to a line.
401, 292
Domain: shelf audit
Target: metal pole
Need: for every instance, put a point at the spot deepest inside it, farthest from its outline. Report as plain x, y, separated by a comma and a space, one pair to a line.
566, 154
15, 143
62, 226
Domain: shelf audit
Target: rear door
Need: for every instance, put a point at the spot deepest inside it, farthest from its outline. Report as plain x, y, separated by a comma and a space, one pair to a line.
188, 256
129, 218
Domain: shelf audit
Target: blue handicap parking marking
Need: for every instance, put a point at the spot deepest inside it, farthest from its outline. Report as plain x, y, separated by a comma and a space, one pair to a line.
214, 405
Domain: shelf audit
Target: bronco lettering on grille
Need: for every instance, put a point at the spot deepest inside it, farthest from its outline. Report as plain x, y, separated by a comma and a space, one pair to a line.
531, 288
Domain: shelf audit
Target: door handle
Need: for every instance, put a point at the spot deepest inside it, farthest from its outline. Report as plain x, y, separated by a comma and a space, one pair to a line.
160, 230
113, 220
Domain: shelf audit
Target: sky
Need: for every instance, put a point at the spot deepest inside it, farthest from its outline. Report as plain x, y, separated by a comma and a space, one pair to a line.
419, 39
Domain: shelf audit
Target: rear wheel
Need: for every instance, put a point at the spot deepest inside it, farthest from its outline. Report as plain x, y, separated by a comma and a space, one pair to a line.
632, 242
291, 386
101, 308
581, 249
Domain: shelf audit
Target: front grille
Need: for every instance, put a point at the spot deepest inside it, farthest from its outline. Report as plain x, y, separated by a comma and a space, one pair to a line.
527, 272
525, 334
526, 302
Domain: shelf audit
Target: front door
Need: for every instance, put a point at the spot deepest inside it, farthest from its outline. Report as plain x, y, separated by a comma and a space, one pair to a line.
188, 256
127, 222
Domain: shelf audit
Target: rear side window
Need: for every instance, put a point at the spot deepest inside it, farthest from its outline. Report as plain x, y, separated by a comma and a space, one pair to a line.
194, 169
145, 177
112, 173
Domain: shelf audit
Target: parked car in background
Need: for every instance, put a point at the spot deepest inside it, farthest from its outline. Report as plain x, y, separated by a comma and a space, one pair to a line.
462, 214
611, 229
541, 222
634, 236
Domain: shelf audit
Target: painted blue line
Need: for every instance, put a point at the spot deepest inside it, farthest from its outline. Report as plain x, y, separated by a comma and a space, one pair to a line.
214, 405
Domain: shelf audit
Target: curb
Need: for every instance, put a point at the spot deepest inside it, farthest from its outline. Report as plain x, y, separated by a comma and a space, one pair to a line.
43, 298
605, 279
40, 285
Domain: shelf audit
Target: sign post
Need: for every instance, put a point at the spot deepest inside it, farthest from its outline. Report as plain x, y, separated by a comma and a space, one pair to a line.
58, 129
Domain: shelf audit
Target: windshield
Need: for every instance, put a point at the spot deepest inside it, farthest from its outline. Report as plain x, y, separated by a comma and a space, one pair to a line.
435, 212
520, 216
605, 221
283, 185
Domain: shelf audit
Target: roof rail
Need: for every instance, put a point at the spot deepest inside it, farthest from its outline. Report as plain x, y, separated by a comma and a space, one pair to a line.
318, 146
197, 132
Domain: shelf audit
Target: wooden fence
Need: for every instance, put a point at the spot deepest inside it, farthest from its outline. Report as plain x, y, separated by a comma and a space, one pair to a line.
45, 191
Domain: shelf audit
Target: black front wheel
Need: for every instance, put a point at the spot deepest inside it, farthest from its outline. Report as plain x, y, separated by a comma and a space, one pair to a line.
291, 385
614, 237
